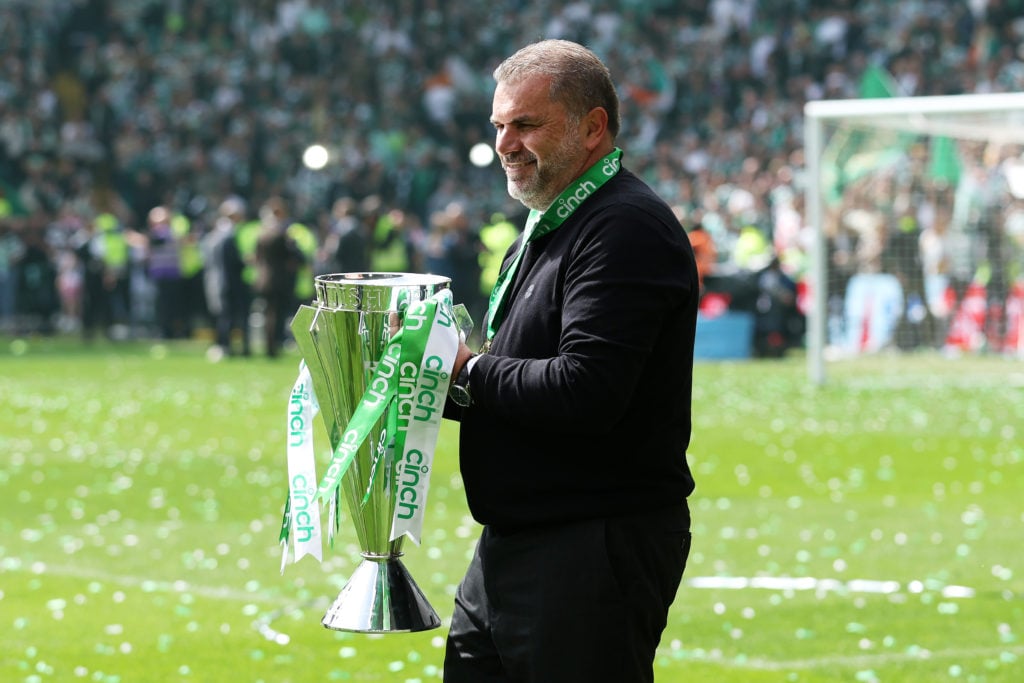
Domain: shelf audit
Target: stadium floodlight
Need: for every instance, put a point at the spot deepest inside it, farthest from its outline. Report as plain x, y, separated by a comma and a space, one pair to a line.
901, 165
481, 155
315, 157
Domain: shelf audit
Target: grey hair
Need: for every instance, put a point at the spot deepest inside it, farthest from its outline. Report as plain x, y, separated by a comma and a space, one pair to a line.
579, 79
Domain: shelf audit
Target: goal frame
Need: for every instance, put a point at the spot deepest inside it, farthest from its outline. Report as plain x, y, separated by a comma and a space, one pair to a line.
900, 114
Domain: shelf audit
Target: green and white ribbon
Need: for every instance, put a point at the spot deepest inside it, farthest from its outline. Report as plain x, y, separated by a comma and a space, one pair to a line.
428, 356
302, 516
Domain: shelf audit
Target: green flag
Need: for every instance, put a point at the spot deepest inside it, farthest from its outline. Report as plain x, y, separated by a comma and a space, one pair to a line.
945, 162
877, 82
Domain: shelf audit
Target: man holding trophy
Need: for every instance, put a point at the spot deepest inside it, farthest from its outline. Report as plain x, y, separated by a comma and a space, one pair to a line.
575, 418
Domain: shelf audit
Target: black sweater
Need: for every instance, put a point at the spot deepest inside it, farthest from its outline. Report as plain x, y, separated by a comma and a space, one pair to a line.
582, 406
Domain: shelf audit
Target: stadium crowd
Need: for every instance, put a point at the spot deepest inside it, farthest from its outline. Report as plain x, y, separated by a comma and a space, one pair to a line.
131, 131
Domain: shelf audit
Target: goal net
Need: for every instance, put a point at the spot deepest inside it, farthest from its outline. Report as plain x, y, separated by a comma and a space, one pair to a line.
917, 204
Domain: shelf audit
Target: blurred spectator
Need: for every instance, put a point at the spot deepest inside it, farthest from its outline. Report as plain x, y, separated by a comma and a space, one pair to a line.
69, 272
37, 302
453, 248
101, 248
228, 295
778, 323
163, 265
308, 244
278, 263
347, 246
397, 239
187, 235
11, 247
935, 261
464, 250
704, 251
904, 259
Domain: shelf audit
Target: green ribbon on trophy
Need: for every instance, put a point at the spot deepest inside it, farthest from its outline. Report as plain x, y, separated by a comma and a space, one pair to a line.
540, 223
410, 382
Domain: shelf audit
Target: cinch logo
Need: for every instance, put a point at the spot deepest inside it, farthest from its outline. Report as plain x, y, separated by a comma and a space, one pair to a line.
343, 454
412, 468
302, 499
406, 386
611, 167
297, 416
444, 316
566, 205
378, 389
416, 316
430, 381
418, 394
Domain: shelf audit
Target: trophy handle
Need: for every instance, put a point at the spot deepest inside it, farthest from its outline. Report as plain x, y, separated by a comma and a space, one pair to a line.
463, 320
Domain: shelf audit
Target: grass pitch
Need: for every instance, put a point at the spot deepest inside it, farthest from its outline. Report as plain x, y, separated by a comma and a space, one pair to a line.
867, 530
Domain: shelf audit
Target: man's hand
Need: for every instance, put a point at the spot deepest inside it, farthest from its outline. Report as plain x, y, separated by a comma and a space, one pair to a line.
461, 356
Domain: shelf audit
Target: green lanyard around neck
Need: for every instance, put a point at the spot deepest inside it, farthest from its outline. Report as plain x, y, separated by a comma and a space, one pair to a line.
540, 223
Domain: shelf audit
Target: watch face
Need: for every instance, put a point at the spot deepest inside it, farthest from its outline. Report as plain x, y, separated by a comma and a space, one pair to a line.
459, 389
460, 395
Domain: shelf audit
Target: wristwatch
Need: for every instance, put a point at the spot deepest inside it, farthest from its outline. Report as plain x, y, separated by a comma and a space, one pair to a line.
458, 391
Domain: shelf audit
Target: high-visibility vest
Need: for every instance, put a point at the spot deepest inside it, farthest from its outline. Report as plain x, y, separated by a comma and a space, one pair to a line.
115, 247
752, 250
496, 238
306, 241
389, 258
190, 256
247, 234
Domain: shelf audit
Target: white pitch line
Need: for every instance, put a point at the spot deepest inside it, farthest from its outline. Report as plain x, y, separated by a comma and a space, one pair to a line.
862, 661
776, 583
809, 583
157, 585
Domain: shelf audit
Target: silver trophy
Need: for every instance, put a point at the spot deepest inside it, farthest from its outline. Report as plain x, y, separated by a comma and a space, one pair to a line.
341, 338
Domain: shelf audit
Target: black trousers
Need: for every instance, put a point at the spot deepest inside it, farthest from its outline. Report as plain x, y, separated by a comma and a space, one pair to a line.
581, 602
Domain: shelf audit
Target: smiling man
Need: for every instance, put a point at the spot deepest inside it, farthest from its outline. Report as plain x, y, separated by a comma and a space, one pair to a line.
539, 154
576, 419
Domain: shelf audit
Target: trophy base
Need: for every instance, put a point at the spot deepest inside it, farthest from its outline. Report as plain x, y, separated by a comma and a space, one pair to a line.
381, 597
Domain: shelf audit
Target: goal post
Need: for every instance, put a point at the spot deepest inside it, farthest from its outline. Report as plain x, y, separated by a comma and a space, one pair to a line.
879, 172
